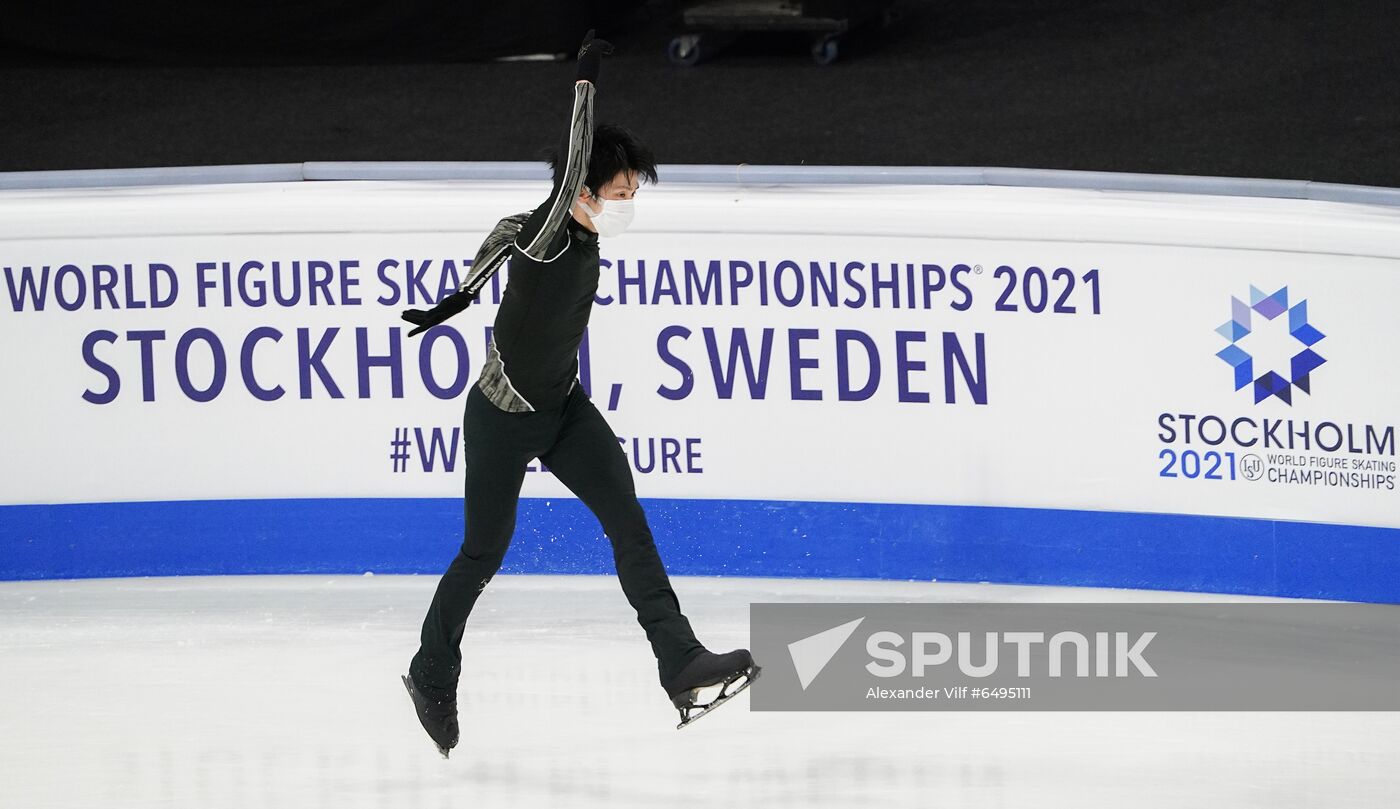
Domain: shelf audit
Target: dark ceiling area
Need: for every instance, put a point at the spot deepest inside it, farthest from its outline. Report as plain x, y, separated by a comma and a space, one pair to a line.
1249, 88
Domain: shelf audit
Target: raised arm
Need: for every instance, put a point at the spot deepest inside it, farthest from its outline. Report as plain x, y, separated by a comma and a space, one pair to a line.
543, 236
540, 234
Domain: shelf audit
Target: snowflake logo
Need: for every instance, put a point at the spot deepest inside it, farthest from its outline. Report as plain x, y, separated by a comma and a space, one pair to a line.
1270, 382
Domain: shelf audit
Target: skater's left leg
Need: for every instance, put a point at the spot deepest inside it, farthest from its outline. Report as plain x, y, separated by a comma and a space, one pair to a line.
497, 447
587, 458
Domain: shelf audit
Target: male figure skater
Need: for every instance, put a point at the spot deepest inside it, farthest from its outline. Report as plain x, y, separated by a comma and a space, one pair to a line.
528, 404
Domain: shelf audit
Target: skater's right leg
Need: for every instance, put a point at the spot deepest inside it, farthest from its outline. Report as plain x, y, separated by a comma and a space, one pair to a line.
498, 446
589, 461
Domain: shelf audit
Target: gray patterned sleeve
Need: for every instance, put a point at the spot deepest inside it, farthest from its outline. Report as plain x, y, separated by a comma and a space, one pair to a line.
493, 252
543, 234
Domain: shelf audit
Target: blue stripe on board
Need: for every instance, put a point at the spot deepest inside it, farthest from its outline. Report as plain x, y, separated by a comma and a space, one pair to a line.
715, 537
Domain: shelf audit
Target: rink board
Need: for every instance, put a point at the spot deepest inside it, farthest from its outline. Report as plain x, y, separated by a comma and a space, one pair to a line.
716, 538
1064, 386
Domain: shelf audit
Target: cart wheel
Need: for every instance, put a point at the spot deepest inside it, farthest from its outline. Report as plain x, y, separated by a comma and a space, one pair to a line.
825, 50
684, 50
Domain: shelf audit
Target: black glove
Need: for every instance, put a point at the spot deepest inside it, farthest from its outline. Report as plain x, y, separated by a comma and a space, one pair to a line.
425, 319
590, 56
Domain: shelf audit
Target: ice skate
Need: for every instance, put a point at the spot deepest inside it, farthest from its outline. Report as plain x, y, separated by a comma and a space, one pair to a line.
724, 675
438, 718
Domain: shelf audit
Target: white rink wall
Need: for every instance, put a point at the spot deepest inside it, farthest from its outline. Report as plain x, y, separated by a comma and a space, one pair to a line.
830, 378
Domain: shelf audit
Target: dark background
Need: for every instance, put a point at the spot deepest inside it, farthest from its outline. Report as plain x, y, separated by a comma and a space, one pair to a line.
1293, 89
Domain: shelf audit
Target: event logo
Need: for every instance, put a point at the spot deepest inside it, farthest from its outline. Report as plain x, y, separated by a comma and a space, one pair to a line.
1272, 381
1273, 356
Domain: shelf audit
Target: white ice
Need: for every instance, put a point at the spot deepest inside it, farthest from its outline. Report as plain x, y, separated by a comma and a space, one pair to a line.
284, 691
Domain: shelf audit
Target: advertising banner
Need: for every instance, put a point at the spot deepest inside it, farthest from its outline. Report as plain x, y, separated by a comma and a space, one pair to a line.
1019, 351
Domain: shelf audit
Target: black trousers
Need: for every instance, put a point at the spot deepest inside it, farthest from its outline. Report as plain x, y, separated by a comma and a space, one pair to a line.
579, 447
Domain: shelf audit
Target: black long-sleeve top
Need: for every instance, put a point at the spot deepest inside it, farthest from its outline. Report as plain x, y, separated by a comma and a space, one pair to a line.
532, 362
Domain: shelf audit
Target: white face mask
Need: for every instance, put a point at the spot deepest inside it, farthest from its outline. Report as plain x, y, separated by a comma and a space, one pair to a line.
615, 217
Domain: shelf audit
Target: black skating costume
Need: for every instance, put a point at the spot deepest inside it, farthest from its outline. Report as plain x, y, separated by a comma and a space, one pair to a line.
528, 404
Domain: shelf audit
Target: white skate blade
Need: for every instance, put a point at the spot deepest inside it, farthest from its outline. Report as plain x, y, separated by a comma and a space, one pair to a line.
725, 695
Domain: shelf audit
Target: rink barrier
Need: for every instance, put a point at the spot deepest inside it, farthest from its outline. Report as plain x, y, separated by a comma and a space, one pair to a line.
741, 174
762, 538
1251, 556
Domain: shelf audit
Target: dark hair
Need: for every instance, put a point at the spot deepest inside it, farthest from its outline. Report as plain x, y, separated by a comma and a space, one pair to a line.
615, 149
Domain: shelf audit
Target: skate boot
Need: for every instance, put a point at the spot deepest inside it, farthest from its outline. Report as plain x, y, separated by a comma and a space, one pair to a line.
439, 718
723, 675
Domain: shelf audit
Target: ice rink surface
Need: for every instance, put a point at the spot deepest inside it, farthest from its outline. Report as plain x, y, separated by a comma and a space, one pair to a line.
284, 692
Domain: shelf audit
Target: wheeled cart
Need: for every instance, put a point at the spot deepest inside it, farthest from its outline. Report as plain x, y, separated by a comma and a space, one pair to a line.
710, 25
